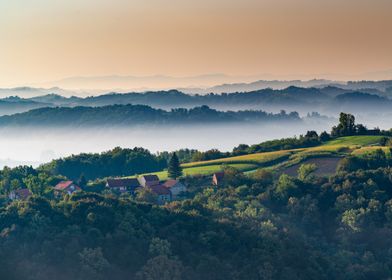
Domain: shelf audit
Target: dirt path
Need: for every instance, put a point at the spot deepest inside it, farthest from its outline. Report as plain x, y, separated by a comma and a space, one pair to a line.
325, 166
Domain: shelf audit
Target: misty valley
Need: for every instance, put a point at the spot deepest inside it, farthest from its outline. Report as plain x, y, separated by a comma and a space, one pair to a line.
37, 145
227, 199
38, 128
285, 183
196, 140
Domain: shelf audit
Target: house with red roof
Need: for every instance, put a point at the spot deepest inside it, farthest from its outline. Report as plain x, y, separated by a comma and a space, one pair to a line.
123, 185
20, 194
66, 187
217, 178
175, 187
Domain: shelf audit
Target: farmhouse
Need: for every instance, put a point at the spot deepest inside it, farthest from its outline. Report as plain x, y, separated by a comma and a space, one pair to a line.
148, 180
217, 178
66, 187
175, 187
164, 194
123, 185
20, 194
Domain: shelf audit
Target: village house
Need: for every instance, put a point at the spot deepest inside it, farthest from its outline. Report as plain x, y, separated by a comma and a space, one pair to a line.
164, 194
217, 178
123, 185
66, 187
148, 180
175, 187
20, 194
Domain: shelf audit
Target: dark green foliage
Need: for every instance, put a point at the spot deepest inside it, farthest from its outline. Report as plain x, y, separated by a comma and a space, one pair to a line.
372, 160
209, 155
386, 141
311, 134
184, 155
174, 169
346, 126
82, 181
324, 136
117, 162
253, 227
309, 140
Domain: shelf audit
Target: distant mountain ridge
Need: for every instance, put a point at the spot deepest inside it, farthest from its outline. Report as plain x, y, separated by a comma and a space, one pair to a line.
226, 87
329, 99
261, 84
143, 83
134, 115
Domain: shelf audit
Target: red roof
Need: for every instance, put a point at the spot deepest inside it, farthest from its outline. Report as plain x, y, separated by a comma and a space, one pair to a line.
170, 183
160, 190
64, 185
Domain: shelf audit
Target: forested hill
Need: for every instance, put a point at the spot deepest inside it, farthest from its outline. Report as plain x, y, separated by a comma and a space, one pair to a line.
327, 100
291, 96
119, 115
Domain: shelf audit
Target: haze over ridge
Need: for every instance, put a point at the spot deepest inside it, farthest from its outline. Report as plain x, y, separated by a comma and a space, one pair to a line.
288, 39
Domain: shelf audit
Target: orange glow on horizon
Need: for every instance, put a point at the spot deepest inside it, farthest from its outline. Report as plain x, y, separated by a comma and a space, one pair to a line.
44, 41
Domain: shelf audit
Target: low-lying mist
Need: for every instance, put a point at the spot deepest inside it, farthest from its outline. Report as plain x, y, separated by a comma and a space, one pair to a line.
34, 146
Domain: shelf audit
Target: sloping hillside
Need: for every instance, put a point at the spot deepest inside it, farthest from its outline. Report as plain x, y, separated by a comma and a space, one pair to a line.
326, 157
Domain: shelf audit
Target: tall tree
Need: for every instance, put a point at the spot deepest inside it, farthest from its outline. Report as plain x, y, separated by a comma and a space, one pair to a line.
174, 169
82, 181
346, 126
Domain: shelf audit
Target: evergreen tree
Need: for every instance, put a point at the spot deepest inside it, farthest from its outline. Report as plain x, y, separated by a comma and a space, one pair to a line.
174, 169
82, 182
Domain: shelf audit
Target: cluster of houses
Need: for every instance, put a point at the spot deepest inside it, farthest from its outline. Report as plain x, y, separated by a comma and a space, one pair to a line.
165, 191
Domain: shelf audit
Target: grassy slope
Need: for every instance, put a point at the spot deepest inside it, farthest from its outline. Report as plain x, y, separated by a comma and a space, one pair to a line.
368, 150
258, 159
367, 140
281, 159
206, 170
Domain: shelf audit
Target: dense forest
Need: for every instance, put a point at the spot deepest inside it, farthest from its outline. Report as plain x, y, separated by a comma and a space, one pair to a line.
253, 227
116, 162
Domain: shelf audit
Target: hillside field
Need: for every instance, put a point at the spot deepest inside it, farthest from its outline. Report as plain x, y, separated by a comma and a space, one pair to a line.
279, 161
364, 140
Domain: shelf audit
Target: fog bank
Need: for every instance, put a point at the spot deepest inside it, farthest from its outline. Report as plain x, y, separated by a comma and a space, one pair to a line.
39, 145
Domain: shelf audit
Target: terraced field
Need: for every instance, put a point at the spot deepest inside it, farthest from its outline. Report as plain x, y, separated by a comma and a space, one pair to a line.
257, 159
206, 170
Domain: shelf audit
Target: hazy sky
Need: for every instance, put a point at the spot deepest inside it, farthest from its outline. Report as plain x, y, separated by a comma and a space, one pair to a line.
45, 40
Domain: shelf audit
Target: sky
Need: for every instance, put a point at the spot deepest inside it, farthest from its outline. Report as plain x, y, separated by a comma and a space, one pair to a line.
46, 40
